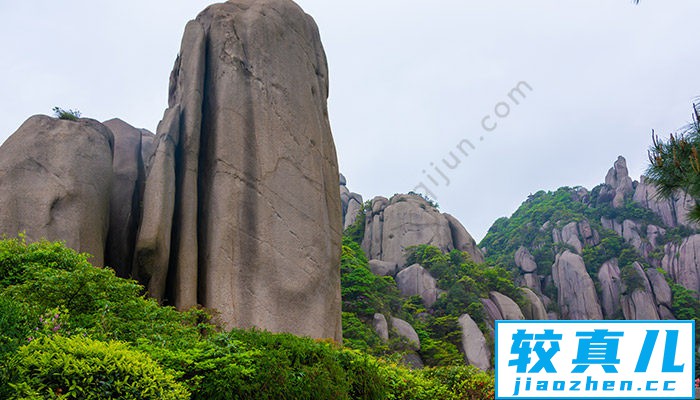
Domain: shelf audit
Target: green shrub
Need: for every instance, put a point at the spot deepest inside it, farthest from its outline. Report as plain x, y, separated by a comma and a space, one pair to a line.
71, 115
16, 256
82, 368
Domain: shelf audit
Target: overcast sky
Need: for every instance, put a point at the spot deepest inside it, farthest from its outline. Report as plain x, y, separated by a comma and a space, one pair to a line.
411, 81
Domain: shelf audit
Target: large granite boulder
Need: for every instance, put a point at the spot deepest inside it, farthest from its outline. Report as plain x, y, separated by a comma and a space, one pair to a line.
508, 308
127, 188
351, 203
525, 261
245, 173
382, 268
408, 220
660, 287
417, 281
577, 295
619, 181
381, 327
406, 331
682, 262
476, 350
673, 211
610, 288
638, 302
55, 182
534, 310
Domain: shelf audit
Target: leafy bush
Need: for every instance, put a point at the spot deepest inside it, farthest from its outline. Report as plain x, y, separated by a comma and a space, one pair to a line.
77, 367
70, 115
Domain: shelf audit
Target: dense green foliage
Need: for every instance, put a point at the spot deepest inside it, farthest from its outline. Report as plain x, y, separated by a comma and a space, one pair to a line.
82, 368
70, 330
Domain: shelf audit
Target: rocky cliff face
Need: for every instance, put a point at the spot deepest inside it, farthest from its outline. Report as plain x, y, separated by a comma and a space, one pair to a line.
245, 174
233, 205
606, 250
351, 203
55, 183
406, 220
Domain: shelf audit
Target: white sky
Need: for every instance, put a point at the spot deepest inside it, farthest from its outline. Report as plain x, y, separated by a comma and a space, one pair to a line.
409, 81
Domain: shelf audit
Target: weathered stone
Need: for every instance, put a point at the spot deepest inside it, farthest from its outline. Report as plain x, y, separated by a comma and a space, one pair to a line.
673, 211
382, 268
412, 360
610, 288
535, 309
665, 313
417, 281
409, 220
462, 240
618, 178
660, 287
257, 218
630, 232
569, 235
55, 181
654, 233
531, 281
577, 296
590, 236
354, 207
380, 326
639, 304
682, 262
405, 330
525, 261
492, 313
153, 241
474, 346
509, 310
125, 201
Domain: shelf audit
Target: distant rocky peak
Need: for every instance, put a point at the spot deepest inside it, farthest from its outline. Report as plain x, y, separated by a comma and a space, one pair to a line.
619, 185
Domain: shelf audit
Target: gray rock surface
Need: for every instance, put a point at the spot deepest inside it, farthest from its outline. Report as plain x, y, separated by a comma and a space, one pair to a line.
568, 235
507, 307
531, 281
405, 330
417, 281
476, 350
462, 240
619, 180
639, 304
408, 220
380, 326
352, 203
673, 211
382, 268
535, 309
610, 288
660, 287
492, 313
256, 212
525, 261
55, 182
125, 202
577, 295
682, 262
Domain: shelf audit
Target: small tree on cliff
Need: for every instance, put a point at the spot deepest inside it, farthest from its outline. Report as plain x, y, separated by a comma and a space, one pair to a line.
675, 165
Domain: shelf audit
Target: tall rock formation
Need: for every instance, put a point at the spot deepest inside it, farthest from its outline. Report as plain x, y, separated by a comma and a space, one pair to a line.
55, 182
618, 183
241, 206
129, 170
682, 262
406, 220
577, 295
351, 202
